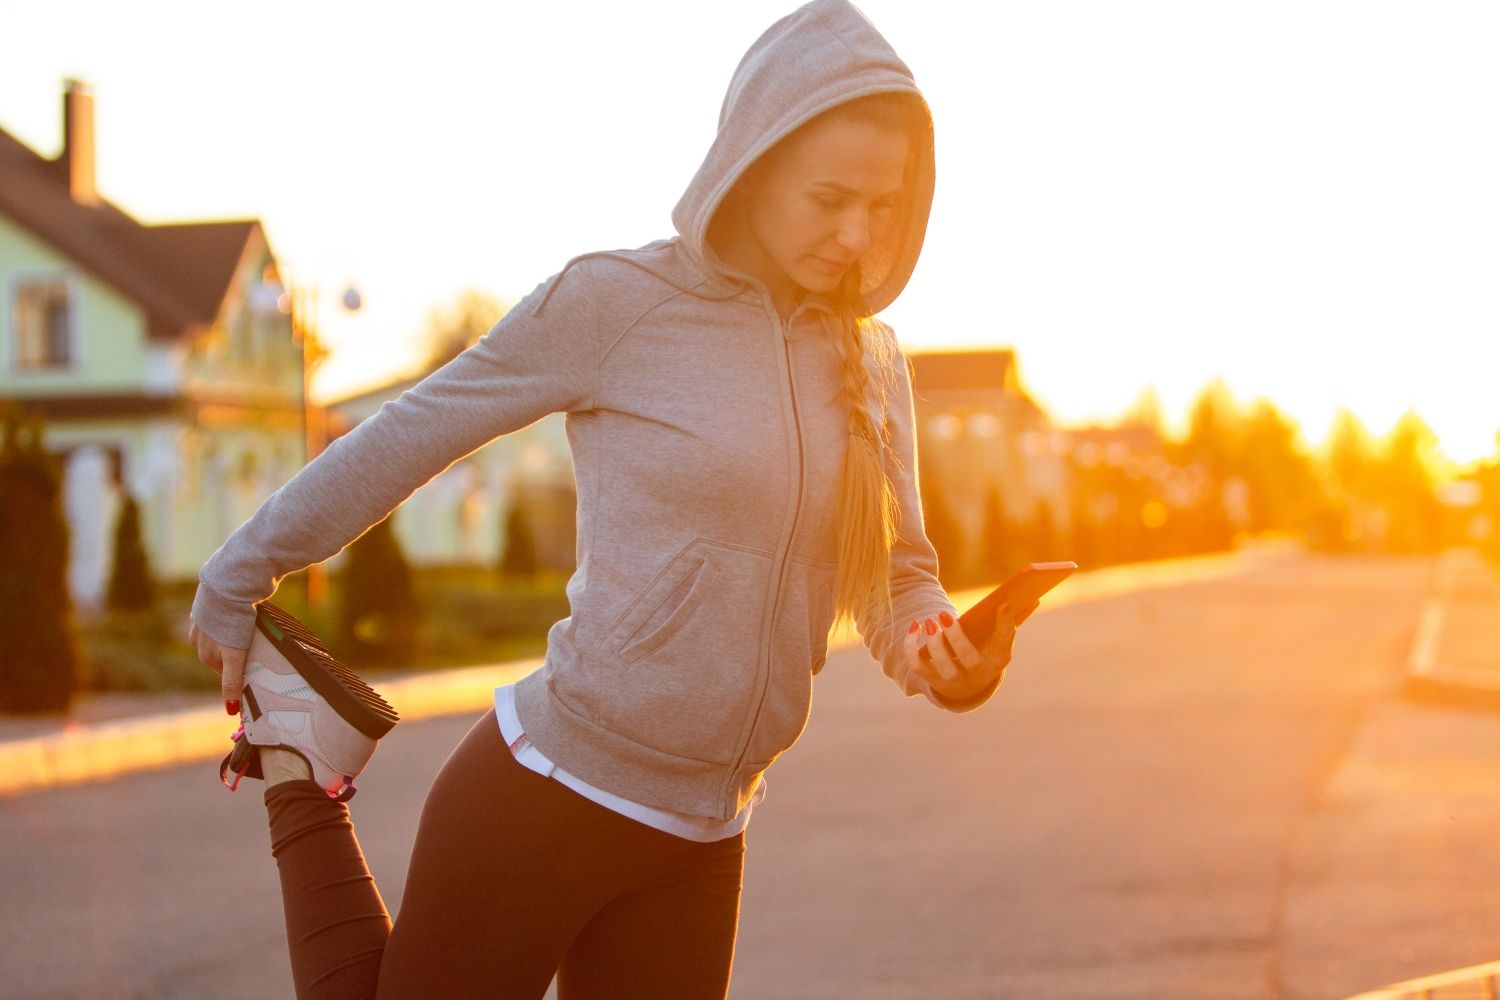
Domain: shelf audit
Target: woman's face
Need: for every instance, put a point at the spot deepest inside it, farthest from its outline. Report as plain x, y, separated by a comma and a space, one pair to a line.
816, 203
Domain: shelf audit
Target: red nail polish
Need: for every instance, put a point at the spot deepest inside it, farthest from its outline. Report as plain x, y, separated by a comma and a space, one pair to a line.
931, 627
912, 629
232, 707
946, 618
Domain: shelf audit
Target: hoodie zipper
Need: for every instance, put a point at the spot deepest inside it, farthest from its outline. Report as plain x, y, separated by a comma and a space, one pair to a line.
784, 328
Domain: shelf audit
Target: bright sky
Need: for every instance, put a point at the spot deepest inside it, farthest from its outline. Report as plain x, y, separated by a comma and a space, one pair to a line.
1298, 195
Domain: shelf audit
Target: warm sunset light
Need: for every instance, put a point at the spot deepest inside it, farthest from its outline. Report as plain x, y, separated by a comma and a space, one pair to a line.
512, 388
1294, 197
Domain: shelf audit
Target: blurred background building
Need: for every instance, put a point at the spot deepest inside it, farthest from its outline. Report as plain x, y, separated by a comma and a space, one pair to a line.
993, 467
168, 363
159, 357
458, 519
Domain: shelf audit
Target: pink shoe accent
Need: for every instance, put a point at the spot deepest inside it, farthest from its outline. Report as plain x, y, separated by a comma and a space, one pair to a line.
345, 791
235, 784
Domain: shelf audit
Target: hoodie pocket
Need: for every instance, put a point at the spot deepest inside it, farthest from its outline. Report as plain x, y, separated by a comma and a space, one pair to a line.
678, 668
663, 607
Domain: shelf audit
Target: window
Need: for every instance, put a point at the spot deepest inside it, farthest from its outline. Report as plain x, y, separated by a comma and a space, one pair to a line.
40, 323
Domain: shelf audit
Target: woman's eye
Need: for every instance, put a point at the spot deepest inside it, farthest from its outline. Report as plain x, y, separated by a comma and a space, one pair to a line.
834, 204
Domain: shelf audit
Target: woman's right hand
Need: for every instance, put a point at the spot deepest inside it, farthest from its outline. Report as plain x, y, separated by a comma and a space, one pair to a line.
226, 661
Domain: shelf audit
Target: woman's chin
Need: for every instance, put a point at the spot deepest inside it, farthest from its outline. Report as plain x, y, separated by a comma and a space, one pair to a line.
821, 281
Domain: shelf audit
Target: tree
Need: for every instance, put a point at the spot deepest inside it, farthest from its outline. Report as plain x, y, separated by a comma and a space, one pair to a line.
1351, 456
131, 586
518, 561
1283, 487
379, 614
1215, 432
452, 330
1347, 519
1146, 412
40, 666
1409, 464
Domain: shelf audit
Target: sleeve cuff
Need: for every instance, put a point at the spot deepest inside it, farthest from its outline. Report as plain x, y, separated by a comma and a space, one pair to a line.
227, 622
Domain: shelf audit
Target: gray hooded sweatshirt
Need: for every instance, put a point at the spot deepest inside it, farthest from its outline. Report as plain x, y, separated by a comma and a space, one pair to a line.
707, 437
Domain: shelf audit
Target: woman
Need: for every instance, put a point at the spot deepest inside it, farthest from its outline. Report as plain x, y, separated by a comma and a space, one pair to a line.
742, 437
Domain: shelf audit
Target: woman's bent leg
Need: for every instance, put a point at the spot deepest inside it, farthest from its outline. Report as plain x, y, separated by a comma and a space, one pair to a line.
336, 923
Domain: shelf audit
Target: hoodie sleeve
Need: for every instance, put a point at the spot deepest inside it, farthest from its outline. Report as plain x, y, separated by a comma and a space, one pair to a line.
915, 590
533, 361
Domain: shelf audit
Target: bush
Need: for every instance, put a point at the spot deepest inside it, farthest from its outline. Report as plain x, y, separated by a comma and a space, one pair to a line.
474, 615
39, 659
144, 651
471, 616
131, 586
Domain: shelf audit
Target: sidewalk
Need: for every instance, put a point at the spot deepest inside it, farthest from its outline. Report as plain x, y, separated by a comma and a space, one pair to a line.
1456, 654
1455, 660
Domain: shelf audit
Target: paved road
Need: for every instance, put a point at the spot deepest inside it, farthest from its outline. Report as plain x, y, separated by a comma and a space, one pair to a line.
1206, 791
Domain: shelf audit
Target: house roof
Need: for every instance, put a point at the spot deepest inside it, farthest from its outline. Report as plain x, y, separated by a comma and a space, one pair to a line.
983, 369
178, 274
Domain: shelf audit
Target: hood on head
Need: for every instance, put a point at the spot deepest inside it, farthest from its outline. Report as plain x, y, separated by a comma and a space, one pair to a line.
822, 54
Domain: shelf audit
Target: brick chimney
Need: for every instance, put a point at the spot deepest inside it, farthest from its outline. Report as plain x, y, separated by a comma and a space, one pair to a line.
77, 158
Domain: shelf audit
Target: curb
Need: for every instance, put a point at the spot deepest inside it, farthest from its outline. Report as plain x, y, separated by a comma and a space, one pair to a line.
1476, 981
112, 749
1428, 678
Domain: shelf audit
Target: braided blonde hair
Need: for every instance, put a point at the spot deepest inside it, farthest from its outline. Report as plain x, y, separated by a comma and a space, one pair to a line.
868, 515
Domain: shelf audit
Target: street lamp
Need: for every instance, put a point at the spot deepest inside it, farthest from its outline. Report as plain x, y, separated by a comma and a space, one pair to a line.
302, 307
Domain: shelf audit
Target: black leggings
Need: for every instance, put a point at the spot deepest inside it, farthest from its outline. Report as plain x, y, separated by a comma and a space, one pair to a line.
514, 878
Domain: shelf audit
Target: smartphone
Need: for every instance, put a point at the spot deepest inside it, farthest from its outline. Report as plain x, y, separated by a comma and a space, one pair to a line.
1015, 598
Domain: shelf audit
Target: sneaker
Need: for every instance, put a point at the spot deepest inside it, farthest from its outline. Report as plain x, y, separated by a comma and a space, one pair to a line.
298, 697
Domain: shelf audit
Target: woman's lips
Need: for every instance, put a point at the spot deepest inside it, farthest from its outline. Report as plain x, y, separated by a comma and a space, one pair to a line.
830, 265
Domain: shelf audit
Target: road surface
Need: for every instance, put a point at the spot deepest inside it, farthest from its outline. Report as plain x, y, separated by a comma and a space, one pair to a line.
1197, 791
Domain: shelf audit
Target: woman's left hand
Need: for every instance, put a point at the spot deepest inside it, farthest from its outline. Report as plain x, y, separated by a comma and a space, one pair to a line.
967, 670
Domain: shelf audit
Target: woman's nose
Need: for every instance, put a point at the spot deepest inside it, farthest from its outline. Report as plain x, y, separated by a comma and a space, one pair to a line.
854, 233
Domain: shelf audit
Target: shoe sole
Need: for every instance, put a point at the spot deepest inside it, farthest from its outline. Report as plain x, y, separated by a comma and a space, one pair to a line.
346, 693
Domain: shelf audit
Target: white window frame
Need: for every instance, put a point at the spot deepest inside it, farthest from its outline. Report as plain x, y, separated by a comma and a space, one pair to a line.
12, 345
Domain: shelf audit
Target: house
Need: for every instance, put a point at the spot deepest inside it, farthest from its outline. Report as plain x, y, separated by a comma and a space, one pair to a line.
457, 518
988, 453
160, 357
